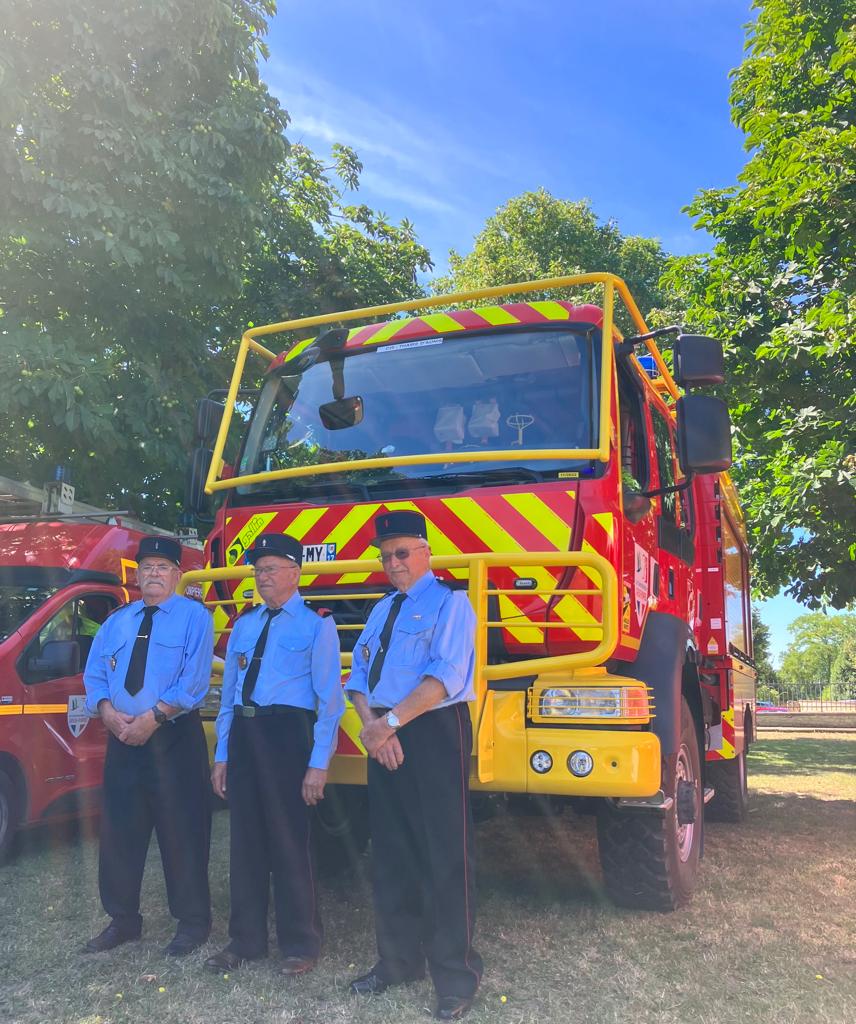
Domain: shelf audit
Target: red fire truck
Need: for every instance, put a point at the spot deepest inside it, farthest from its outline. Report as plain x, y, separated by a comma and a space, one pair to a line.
59, 579
576, 488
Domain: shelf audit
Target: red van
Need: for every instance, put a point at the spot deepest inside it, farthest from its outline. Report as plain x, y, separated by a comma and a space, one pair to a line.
59, 580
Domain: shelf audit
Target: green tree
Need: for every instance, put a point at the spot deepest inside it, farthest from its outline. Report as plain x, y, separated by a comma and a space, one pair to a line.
767, 675
844, 670
779, 288
151, 206
536, 235
817, 640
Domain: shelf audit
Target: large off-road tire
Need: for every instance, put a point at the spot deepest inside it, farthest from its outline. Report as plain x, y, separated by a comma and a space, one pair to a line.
650, 858
9, 816
340, 828
731, 789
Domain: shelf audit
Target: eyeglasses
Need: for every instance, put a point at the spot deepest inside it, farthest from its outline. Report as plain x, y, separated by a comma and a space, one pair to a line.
274, 570
156, 570
400, 554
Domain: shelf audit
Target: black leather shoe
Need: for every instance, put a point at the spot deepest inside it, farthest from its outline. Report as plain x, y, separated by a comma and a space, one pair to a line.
452, 1007
182, 944
223, 962
368, 985
112, 936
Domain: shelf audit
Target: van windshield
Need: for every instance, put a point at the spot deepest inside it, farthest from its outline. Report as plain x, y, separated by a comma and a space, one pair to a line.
18, 601
523, 389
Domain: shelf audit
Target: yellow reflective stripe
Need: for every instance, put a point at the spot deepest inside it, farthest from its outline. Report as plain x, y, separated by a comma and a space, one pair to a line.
386, 332
45, 709
298, 348
497, 316
543, 518
11, 709
550, 310
304, 521
442, 323
607, 521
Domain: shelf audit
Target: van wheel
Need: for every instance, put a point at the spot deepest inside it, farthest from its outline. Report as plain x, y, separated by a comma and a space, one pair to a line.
340, 828
731, 789
8, 816
649, 858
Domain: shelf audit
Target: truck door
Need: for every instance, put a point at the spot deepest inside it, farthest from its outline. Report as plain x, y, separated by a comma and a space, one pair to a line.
66, 747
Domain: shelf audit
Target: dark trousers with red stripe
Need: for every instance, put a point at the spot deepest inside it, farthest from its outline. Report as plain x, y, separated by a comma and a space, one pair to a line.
162, 785
270, 836
423, 857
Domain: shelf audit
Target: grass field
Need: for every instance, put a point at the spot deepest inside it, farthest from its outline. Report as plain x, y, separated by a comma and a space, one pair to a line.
769, 937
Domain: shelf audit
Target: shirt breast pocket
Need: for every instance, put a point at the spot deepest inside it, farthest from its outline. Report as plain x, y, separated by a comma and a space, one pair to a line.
411, 643
294, 655
165, 659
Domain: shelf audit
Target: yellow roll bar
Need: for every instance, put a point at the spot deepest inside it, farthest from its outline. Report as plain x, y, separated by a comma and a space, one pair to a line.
611, 285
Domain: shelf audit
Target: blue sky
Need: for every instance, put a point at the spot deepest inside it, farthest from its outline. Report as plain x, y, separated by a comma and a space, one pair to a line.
454, 108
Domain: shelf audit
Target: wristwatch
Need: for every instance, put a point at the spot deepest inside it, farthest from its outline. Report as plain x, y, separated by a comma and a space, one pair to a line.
160, 716
392, 720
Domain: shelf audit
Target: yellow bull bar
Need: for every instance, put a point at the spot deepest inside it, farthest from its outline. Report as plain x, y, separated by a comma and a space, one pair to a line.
477, 567
612, 286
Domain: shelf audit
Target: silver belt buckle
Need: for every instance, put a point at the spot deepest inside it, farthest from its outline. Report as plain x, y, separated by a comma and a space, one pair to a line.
248, 712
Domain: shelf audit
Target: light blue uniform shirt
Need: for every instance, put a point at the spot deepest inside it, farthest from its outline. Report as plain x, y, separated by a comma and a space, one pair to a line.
301, 667
433, 635
178, 663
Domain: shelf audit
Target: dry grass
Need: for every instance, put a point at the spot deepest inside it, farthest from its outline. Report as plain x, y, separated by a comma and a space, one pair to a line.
768, 938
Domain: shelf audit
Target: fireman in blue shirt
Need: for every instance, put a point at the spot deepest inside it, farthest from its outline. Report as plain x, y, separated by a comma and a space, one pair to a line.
411, 678
147, 673
276, 732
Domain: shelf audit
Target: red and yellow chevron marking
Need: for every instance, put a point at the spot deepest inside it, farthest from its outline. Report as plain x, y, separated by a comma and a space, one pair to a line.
471, 319
728, 740
504, 523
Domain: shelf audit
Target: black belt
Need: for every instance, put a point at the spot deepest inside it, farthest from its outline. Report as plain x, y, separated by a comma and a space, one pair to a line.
251, 711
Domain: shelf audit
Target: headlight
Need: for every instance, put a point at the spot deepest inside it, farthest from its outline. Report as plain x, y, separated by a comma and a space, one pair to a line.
594, 702
541, 762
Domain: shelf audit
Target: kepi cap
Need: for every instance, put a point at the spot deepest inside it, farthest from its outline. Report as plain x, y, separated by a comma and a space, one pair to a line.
399, 524
159, 547
280, 545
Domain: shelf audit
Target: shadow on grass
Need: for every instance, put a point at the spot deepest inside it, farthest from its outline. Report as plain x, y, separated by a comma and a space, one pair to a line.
801, 756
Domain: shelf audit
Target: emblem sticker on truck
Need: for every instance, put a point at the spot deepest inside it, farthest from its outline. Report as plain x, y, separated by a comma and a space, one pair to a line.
78, 717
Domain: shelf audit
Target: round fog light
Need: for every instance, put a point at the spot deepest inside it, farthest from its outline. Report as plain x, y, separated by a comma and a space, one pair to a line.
580, 763
541, 762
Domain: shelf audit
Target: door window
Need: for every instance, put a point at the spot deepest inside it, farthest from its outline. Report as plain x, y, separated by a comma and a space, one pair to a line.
76, 622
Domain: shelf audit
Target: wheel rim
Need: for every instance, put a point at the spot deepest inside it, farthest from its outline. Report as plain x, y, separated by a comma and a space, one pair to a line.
684, 833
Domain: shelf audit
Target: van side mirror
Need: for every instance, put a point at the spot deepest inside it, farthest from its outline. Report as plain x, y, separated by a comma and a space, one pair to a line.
208, 416
699, 360
198, 464
704, 434
341, 413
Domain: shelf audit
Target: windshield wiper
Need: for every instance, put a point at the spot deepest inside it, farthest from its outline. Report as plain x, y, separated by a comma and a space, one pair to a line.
510, 474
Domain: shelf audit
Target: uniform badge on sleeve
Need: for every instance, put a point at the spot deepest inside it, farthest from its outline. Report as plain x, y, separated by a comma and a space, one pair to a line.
112, 662
242, 661
366, 652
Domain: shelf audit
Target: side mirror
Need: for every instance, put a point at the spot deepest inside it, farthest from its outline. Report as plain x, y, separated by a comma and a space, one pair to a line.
208, 416
198, 464
58, 658
704, 434
341, 413
699, 361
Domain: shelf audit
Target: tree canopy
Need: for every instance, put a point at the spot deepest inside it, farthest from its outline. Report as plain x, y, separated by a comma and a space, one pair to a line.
822, 650
779, 288
151, 206
537, 235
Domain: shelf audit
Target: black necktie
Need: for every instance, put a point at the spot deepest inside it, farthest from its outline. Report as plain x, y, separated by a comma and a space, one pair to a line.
137, 665
253, 671
376, 666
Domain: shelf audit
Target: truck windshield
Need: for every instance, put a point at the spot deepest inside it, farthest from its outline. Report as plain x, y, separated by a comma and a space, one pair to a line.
18, 601
530, 389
